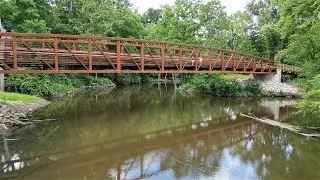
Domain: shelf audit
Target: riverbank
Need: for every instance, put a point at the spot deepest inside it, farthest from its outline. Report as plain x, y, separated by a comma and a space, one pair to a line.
15, 107
53, 85
274, 89
230, 85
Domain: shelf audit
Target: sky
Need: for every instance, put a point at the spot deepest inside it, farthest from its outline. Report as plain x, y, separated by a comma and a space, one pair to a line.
231, 5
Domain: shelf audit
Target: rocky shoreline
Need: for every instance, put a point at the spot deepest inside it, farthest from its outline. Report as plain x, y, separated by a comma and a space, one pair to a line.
12, 112
274, 89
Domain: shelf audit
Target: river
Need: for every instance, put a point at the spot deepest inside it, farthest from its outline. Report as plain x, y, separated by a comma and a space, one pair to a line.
155, 133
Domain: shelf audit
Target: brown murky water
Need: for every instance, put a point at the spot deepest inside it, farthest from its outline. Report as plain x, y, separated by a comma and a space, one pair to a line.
156, 134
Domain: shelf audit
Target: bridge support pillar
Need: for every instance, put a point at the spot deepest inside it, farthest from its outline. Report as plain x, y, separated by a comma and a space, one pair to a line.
276, 77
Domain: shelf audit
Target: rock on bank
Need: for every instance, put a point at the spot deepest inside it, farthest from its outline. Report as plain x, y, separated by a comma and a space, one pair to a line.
11, 112
270, 88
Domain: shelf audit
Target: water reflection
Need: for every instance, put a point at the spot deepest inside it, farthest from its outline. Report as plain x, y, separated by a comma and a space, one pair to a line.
150, 133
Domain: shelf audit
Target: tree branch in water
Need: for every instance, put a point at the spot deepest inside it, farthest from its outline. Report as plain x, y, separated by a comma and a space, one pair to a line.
290, 127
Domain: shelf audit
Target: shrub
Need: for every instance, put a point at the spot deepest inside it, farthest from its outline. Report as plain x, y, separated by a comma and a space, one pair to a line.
307, 107
313, 95
222, 85
315, 82
46, 84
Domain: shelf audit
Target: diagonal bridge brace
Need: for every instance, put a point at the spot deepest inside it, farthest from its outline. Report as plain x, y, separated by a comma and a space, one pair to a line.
130, 55
74, 55
39, 56
101, 51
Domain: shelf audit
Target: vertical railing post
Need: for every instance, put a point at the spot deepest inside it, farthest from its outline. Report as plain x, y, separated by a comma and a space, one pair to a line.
222, 60
56, 55
162, 57
15, 56
261, 68
270, 62
90, 53
210, 59
196, 58
234, 61
142, 56
244, 62
253, 64
180, 58
118, 55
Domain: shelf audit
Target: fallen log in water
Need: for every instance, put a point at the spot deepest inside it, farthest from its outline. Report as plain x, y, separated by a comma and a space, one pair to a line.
290, 127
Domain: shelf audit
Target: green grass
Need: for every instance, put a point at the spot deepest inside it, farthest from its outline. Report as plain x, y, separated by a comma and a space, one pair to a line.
7, 96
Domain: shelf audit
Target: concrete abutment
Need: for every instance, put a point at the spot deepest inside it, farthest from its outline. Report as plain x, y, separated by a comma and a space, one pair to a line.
276, 77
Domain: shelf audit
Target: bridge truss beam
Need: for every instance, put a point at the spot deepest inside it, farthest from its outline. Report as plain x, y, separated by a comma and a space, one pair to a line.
28, 53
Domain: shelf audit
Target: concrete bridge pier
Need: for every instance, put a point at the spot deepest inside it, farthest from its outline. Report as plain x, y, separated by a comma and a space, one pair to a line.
276, 77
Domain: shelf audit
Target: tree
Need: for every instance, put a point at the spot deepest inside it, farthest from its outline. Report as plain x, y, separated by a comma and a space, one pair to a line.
25, 15
300, 26
265, 36
152, 16
192, 21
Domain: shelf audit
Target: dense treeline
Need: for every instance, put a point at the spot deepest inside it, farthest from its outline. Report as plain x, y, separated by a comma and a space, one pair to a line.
287, 30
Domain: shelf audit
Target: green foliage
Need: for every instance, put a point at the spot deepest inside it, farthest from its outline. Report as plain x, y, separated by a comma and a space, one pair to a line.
311, 104
189, 22
307, 107
43, 85
300, 26
7, 96
25, 15
313, 94
315, 82
90, 17
223, 85
152, 16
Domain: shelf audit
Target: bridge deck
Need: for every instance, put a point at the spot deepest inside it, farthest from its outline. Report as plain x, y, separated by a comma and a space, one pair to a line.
51, 53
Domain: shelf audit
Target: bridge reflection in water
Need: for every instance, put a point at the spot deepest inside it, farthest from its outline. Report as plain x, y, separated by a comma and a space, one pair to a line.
201, 148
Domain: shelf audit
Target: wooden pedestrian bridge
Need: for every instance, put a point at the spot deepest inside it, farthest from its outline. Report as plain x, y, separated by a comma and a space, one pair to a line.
29, 53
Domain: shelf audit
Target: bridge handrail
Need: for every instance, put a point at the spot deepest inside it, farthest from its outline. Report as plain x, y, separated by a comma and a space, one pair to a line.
286, 67
231, 59
42, 35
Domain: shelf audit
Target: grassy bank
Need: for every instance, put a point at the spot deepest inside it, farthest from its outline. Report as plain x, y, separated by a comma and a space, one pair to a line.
223, 85
7, 96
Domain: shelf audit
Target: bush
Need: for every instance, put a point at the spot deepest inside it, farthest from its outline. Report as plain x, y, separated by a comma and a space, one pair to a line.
46, 84
315, 82
223, 85
313, 95
307, 108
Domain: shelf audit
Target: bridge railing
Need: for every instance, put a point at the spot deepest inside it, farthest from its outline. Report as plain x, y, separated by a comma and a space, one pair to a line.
60, 53
287, 68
